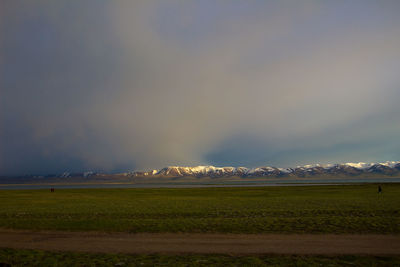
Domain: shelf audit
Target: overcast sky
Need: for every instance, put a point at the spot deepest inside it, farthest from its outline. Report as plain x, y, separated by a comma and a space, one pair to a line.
132, 85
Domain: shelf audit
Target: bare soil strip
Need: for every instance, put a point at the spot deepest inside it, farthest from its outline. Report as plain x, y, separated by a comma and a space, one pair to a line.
233, 244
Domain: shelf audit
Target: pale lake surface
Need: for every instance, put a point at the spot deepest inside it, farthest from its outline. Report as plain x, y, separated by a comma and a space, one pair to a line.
298, 182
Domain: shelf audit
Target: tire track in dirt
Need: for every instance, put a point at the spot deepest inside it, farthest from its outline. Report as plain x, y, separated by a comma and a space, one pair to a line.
181, 243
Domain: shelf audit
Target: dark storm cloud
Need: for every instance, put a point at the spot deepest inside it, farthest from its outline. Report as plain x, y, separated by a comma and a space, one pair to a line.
121, 85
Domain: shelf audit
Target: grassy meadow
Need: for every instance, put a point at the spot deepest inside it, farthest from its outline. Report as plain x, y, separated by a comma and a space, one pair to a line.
300, 209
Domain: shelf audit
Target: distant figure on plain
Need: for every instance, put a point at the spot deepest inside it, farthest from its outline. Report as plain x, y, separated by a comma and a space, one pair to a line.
52, 189
379, 189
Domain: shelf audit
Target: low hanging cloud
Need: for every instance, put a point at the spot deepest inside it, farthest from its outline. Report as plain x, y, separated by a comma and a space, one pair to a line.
120, 85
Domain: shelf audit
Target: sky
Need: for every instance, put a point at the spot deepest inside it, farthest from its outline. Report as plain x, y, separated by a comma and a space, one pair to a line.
134, 85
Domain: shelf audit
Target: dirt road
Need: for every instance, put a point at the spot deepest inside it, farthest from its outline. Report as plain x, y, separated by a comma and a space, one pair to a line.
234, 244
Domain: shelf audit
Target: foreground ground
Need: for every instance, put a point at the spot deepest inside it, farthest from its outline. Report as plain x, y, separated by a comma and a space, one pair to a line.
38, 258
233, 244
309, 209
349, 225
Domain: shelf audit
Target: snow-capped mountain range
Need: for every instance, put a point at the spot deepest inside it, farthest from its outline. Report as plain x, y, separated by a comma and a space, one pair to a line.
390, 168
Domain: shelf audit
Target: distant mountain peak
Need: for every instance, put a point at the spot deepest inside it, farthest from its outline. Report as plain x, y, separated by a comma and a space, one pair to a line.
309, 170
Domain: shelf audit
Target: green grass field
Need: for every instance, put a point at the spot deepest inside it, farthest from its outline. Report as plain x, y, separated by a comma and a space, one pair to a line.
308, 209
38, 258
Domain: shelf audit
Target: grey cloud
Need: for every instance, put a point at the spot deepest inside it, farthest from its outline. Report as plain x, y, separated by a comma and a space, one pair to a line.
107, 86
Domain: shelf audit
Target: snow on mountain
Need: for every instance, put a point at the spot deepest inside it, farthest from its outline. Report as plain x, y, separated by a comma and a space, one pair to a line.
331, 170
88, 174
390, 164
196, 171
389, 167
359, 165
65, 175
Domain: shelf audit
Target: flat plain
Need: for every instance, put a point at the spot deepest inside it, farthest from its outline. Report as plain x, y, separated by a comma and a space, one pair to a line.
352, 209
352, 212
